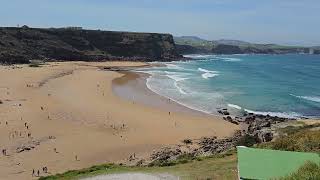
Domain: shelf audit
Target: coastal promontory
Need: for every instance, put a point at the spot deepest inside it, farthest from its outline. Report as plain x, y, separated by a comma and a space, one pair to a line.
21, 44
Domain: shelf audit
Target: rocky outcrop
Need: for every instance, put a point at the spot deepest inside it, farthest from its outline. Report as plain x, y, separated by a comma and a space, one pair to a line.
19, 45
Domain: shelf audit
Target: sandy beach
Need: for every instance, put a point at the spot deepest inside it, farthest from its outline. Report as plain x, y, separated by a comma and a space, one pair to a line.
64, 115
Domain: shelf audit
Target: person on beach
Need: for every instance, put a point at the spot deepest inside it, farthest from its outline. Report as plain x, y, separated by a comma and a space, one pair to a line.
33, 172
45, 169
38, 172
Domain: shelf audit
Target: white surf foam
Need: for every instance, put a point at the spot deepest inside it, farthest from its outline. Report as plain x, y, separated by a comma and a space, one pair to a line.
309, 98
205, 70
161, 93
208, 74
179, 88
198, 56
173, 66
228, 59
278, 114
235, 106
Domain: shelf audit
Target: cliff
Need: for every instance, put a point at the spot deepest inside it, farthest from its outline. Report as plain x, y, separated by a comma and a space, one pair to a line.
19, 45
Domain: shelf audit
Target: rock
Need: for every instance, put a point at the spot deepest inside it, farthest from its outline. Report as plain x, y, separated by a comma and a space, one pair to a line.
1, 102
24, 148
187, 141
265, 136
226, 113
166, 154
140, 162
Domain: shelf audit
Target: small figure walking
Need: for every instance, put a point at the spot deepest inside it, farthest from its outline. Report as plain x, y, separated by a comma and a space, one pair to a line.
33, 172
38, 172
4, 152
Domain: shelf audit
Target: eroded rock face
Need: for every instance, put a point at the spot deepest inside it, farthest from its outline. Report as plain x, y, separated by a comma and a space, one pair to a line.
19, 45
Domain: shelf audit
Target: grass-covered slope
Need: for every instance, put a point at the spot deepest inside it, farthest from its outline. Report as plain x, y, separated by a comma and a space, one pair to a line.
213, 167
302, 138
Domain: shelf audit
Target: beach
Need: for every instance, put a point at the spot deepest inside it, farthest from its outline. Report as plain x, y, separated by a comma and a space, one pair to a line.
65, 115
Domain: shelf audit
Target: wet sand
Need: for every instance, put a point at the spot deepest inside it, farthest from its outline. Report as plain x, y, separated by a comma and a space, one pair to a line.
132, 87
74, 120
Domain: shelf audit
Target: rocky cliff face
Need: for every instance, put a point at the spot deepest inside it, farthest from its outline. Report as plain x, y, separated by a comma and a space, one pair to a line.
19, 45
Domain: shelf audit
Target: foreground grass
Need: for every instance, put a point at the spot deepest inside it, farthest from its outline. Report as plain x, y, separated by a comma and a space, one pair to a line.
309, 171
213, 167
302, 139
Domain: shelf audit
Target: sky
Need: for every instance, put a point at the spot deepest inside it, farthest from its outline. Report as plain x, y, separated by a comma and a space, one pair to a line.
287, 22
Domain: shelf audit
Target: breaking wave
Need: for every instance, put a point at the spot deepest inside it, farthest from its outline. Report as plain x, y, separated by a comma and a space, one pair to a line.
208, 74
198, 56
309, 98
228, 59
235, 106
278, 114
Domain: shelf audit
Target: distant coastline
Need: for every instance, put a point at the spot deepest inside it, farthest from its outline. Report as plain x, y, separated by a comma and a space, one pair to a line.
195, 45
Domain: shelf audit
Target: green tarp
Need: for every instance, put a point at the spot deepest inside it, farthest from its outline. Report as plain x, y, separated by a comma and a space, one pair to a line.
267, 164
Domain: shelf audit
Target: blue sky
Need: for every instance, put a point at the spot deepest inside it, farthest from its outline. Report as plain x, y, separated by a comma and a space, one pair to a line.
262, 21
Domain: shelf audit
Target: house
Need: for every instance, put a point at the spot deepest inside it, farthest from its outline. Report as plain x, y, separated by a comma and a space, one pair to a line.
269, 164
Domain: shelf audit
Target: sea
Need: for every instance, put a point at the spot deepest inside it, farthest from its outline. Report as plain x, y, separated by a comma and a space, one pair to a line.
278, 85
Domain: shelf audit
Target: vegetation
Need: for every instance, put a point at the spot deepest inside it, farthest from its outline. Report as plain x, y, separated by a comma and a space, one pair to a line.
247, 140
222, 166
304, 139
309, 171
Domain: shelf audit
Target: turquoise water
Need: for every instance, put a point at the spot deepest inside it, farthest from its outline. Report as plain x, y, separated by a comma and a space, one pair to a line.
281, 85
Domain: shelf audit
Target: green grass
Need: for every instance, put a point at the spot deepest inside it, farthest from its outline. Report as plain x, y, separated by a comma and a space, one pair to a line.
309, 171
302, 139
214, 167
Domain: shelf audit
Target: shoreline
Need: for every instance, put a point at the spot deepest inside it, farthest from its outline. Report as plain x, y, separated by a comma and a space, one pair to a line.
132, 87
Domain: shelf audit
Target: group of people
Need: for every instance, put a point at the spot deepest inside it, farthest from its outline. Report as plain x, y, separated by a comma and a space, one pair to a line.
37, 173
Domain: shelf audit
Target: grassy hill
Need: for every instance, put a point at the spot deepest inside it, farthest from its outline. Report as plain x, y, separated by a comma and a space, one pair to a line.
192, 44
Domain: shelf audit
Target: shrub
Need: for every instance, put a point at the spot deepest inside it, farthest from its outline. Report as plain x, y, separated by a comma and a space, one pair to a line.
305, 140
247, 140
309, 171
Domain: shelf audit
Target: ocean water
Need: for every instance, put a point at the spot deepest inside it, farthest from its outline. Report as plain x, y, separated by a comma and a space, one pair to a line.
278, 85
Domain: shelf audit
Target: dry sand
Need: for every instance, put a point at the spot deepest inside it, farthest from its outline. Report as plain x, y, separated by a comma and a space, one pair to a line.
71, 113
